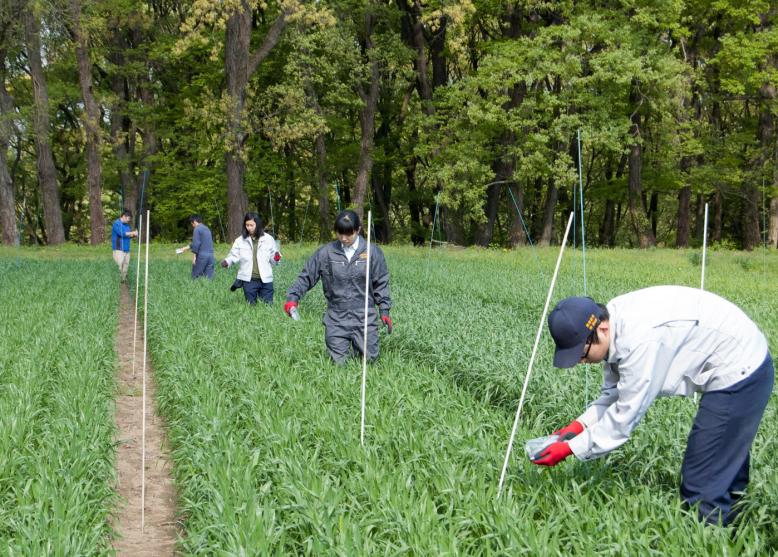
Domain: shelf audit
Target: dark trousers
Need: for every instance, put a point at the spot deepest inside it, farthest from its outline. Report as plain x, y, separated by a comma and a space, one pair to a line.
343, 334
258, 289
203, 266
715, 466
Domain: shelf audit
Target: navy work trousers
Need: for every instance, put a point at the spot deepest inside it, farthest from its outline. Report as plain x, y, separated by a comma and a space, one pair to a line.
257, 289
203, 266
715, 466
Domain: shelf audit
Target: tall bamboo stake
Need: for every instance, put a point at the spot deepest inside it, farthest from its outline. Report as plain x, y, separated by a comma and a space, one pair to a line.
143, 409
364, 332
532, 357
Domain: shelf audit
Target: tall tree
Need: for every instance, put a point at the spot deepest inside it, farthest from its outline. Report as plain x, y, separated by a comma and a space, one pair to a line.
7, 195
240, 63
91, 120
47, 175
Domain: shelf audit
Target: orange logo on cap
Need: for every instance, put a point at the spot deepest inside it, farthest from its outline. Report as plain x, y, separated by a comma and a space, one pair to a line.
591, 323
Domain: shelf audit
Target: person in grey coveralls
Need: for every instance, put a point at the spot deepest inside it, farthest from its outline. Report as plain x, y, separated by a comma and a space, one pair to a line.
341, 265
202, 249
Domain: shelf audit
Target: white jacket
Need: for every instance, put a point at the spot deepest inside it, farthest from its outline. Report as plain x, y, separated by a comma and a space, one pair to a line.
242, 251
665, 340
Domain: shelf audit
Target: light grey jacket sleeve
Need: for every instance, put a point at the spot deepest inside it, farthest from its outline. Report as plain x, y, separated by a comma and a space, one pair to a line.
641, 376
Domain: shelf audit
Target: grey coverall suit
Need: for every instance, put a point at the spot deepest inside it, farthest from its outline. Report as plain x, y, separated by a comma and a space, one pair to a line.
344, 288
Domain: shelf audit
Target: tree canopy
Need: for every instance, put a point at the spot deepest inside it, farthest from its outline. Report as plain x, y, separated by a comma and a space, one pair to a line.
465, 114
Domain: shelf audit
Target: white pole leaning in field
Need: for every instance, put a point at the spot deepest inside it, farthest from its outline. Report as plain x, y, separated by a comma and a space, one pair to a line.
364, 332
532, 357
137, 285
143, 404
704, 246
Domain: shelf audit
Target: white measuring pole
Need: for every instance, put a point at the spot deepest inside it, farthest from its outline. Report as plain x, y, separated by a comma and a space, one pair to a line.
532, 357
137, 285
704, 246
143, 408
364, 331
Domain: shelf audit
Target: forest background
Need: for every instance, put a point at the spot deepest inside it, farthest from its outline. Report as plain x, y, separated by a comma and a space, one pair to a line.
465, 113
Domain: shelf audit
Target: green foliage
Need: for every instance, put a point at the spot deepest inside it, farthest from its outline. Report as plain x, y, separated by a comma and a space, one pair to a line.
57, 328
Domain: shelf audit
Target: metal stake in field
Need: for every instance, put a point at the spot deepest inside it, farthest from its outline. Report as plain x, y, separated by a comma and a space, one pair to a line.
137, 285
532, 357
143, 404
364, 331
704, 246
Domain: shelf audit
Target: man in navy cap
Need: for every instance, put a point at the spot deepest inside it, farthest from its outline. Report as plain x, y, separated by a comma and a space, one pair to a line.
663, 341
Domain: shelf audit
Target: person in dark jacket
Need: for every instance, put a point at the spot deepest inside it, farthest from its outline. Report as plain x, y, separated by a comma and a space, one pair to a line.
341, 265
201, 247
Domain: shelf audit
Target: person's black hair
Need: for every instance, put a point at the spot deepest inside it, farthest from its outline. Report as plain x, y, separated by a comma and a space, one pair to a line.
195, 218
347, 222
603, 316
259, 230
127, 213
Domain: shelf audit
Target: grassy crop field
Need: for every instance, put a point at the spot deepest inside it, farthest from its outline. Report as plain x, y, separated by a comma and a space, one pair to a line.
57, 328
265, 430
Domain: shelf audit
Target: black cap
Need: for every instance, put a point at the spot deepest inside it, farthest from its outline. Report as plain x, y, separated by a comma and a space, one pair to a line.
570, 323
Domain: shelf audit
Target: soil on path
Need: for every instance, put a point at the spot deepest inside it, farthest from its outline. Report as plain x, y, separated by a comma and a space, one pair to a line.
159, 534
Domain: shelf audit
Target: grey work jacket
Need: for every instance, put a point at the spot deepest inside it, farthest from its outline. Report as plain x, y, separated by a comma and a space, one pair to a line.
664, 341
343, 281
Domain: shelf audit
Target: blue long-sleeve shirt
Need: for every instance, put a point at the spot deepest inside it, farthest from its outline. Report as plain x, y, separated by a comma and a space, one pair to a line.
202, 240
119, 235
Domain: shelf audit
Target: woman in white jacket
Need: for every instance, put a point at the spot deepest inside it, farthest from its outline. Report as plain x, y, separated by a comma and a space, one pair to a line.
257, 253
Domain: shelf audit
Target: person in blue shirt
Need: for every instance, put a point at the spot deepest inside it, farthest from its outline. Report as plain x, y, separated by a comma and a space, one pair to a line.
203, 261
121, 233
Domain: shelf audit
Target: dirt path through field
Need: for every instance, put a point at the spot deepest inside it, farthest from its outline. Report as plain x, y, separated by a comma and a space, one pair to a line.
158, 537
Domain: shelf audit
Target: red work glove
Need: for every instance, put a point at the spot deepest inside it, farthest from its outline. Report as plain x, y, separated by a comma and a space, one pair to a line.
554, 454
277, 257
288, 307
224, 263
571, 430
388, 322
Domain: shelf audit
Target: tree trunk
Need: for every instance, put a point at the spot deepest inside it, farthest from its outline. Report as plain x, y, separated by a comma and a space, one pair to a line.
382, 197
239, 65
772, 236
324, 200
518, 234
637, 213
607, 226
683, 221
7, 196
549, 207
717, 209
485, 231
92, 128
120, 122
453, 224
367, 122
238, 37
750, 217
47, 175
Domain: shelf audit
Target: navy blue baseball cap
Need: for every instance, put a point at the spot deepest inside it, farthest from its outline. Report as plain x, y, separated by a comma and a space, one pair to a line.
570, 323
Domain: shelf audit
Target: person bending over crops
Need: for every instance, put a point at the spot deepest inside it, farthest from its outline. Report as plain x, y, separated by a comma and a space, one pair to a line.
121, 233
341, 265
201, 248
662, 341
257, 252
